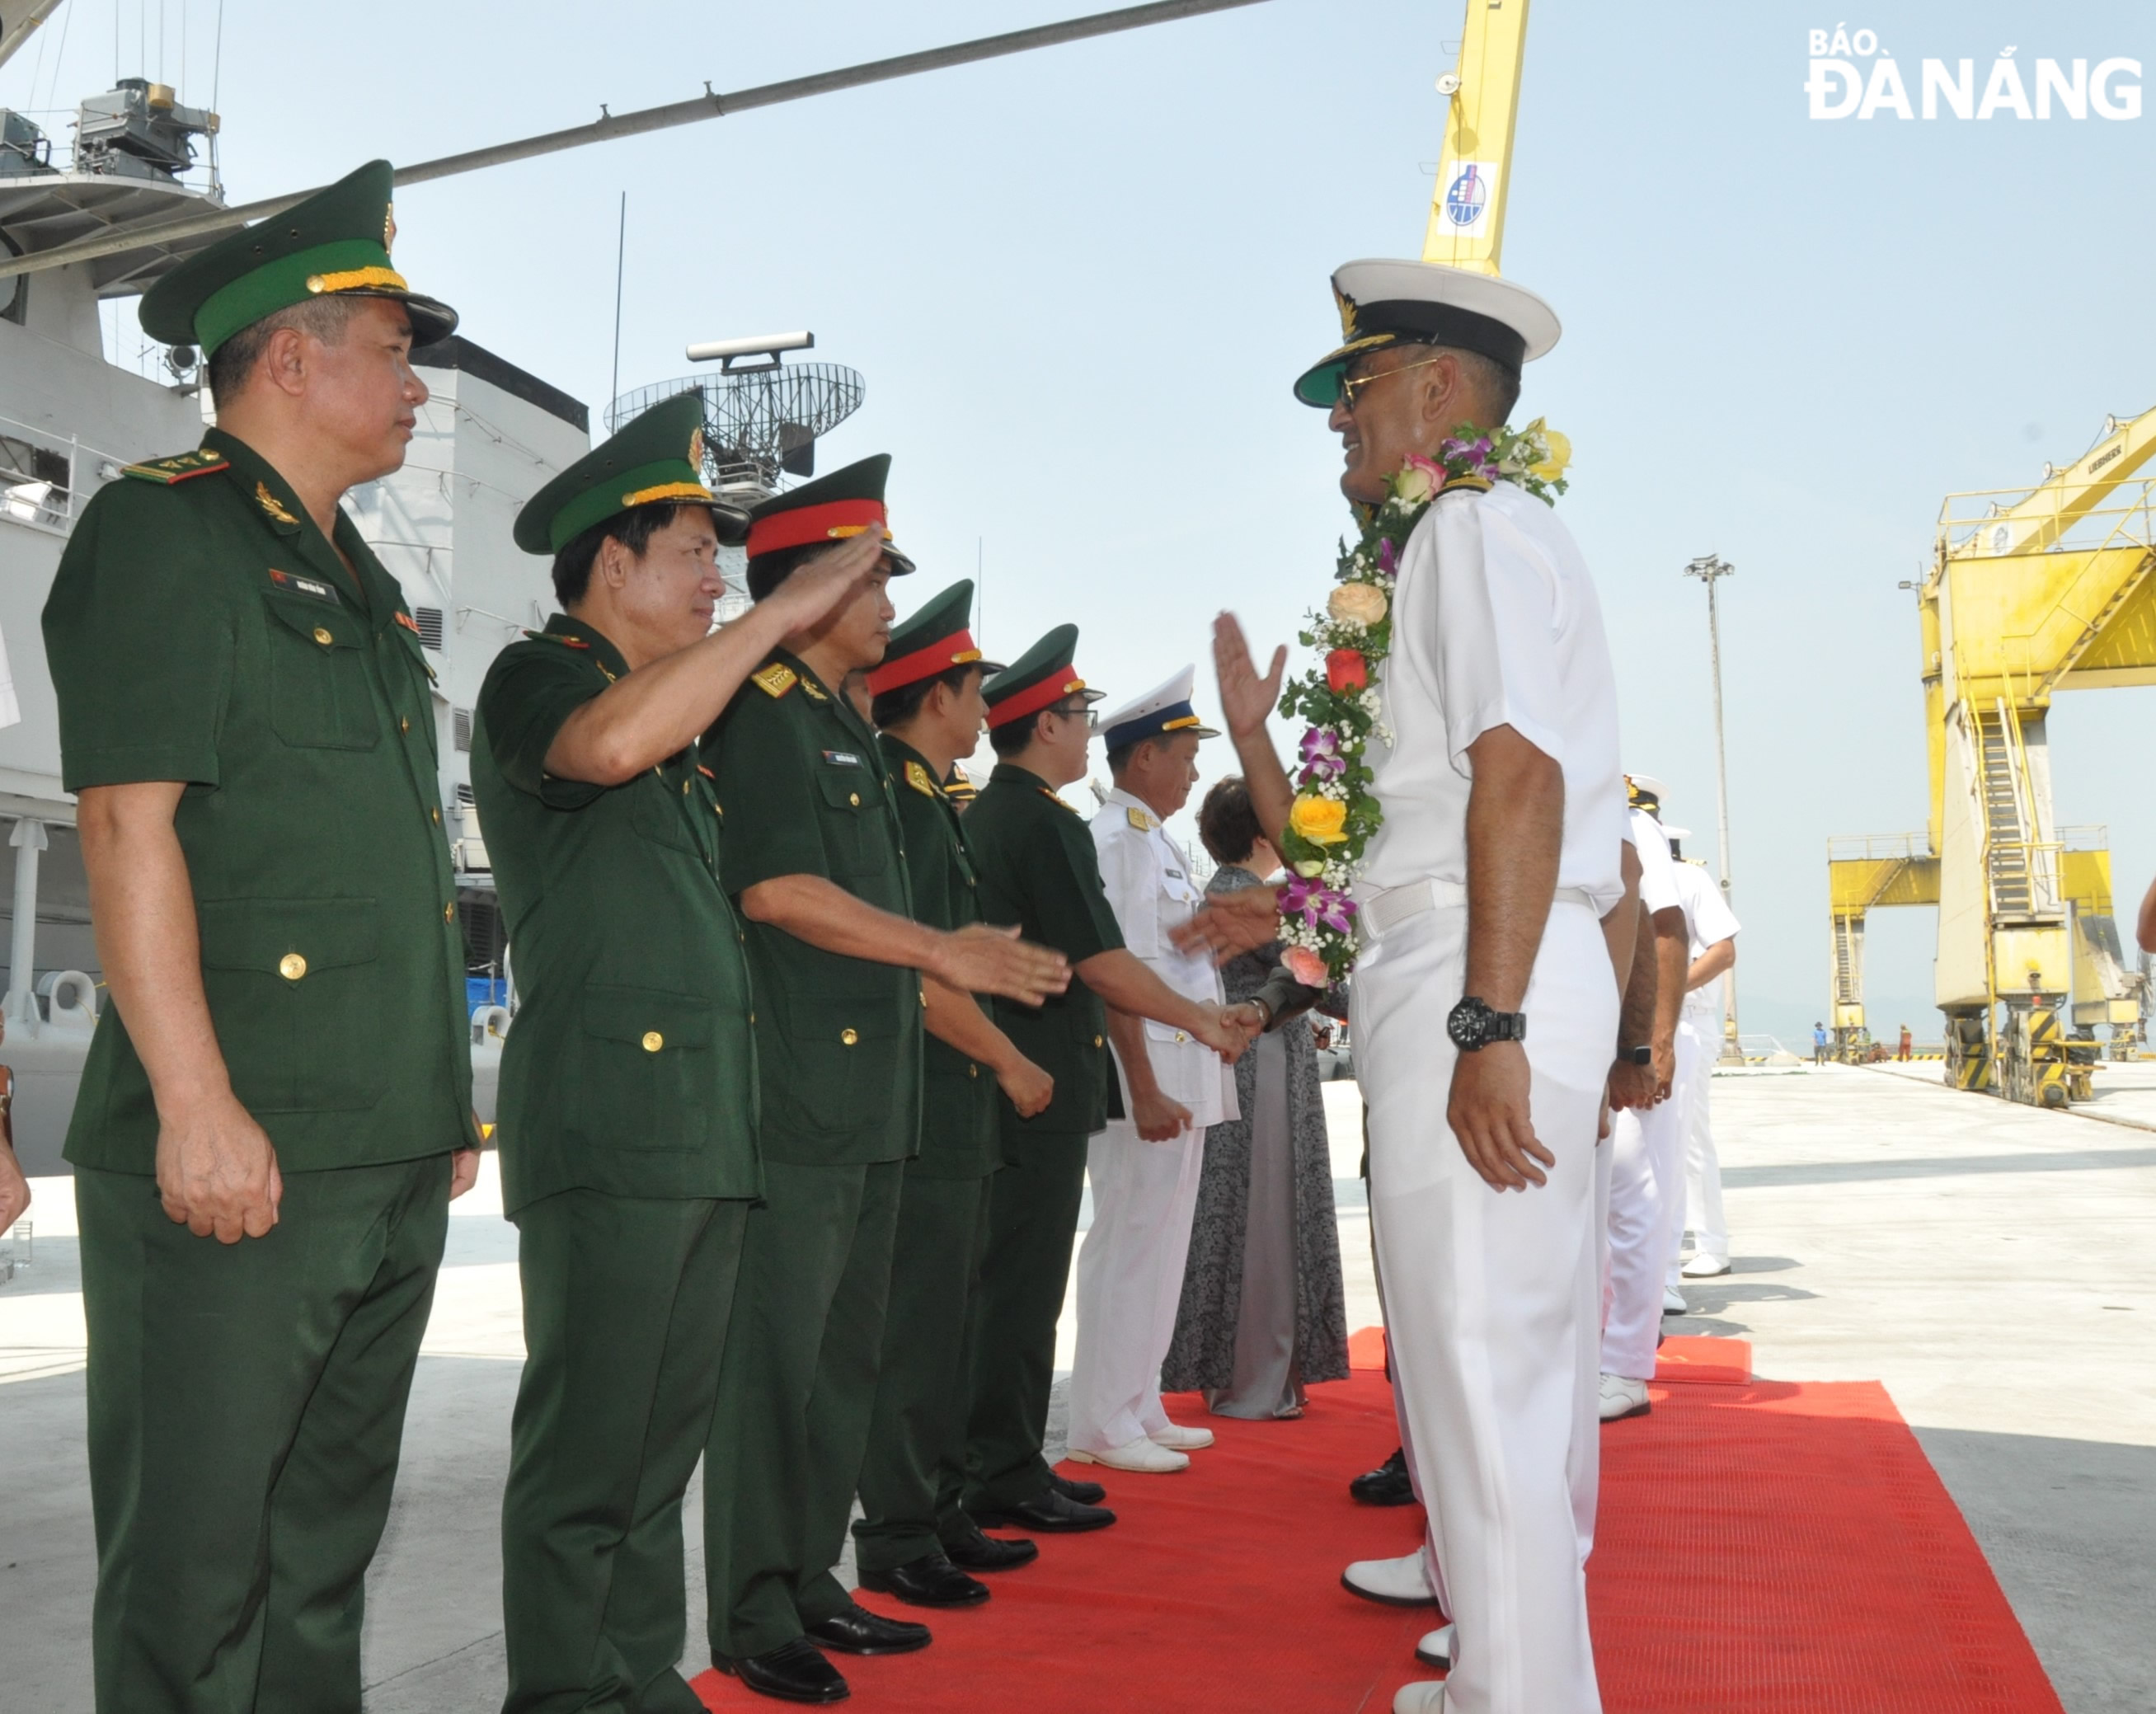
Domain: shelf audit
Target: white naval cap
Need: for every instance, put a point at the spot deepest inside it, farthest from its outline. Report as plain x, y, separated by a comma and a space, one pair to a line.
1162, 712
1384, 302
1643, 791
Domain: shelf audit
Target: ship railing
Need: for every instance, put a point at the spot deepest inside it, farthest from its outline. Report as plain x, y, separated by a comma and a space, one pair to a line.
45, 478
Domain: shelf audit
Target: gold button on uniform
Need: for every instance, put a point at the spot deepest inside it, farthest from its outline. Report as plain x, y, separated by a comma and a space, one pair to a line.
291, 967
1180, 1036
436, 813
854, 799
322, 636
403, 725
973, 1070
653, 1041
850, 1036
1096, 1041
449, 912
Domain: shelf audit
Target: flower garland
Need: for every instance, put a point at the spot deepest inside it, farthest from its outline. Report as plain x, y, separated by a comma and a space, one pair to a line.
1335, 812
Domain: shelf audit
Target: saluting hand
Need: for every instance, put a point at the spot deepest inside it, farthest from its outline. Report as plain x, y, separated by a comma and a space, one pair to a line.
824, 580
1245, 699
216, 1171
1488, 1113
1030, 1089
983, 960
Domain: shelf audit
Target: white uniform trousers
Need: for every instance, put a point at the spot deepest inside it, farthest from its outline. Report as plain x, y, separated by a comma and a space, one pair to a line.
1646, 1207
1130, 1282
1490, 1303
1708, 1225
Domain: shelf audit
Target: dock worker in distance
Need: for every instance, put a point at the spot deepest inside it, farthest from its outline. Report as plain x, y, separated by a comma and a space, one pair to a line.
815, 860
913, 1540
276, 1109
627, 1096
1040, 869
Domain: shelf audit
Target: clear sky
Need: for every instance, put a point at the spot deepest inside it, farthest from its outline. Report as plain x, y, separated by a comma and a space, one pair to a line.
1079, 283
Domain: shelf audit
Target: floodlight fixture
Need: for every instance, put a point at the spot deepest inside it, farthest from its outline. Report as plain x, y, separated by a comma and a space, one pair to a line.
732, 354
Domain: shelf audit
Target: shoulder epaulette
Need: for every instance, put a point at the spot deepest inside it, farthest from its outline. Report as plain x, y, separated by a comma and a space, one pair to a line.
775, 679
1470, 485
177, 467
1055, 800
1140, 820
919, 779
535, 636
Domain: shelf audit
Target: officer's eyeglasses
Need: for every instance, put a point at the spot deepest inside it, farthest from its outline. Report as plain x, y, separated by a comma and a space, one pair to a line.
1351, 389
1074, 710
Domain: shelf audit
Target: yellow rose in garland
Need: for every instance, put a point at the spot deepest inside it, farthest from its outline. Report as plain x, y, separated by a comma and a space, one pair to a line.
1358, 605
1324, 821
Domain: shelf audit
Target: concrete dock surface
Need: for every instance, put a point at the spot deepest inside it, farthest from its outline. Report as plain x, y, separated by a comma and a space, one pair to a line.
1994, 1266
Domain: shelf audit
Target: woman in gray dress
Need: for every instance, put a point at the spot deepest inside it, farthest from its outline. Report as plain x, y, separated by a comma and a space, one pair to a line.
1263, 1311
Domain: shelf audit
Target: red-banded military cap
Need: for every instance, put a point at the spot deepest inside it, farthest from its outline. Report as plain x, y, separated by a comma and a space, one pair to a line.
1041, 676
930, 641
833, 508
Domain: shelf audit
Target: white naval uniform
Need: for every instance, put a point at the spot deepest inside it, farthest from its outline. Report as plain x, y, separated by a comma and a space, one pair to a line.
1491, 1296
1646, 1165
1711, 921
1129, 1267
10, 710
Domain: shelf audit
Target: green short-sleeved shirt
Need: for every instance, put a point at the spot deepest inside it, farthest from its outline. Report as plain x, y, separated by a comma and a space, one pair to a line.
631, 1067
959, 1132
201, 629
1039, 868
838, 1040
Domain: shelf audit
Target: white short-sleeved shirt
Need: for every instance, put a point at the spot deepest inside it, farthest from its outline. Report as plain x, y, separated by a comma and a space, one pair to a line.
1711, 921
1149, 885
1495, 622
1658, 881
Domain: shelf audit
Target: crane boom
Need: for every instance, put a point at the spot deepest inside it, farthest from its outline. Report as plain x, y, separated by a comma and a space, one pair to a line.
711, 105
1467, 211
2065, 497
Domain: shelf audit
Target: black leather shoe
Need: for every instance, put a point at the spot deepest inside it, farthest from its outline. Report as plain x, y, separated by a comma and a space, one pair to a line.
858, 1631
1047, 1513
1388, 1485
1070, 1488
980, 1553
792, 1672
931, 1581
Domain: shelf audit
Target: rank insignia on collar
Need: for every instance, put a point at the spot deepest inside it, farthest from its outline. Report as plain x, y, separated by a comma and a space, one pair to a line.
1053, 799
811, 689
1140, 820
403, 618
775, 679
270, 504
917, 777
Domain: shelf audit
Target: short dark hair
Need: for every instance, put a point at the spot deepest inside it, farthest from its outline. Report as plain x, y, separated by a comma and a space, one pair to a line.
767, 571
232, 364
633, 529
893, 708
1119, 759
1226, 824
1496, 387
1008, 739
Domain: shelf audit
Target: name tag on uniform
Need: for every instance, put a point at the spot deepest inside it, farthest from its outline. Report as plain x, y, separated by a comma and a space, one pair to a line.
842, 758
1175, 874
303, 585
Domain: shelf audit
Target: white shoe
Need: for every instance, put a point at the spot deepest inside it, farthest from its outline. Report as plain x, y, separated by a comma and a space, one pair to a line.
1426, 1695
1177, 1439
1623, 1397
1673, 1301
1435, 1649
1704, 1266
1396, 1583
1141, 1457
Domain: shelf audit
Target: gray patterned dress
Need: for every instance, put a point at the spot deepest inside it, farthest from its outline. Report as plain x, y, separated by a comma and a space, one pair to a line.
1262, 1309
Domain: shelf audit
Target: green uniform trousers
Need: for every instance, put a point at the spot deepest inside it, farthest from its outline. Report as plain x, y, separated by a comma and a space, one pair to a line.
1032, 1223
626, 1301
245, 1404
911, 1478
796, 1388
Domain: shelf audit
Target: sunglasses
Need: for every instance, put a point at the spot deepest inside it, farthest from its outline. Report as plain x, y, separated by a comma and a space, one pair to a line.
1351, 390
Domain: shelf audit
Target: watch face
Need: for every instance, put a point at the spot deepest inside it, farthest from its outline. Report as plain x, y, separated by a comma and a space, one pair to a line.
1469, 1024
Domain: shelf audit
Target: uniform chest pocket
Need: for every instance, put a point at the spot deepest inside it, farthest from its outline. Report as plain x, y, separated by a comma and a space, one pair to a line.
856, 825
320, 697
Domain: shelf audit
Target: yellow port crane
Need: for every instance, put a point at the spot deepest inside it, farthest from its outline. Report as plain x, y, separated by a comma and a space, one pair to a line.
2028, 594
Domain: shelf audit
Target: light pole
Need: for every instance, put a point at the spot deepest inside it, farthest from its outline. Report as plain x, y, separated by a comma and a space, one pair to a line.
1708, 570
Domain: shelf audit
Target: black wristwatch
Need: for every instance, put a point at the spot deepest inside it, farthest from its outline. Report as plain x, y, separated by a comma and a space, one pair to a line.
1643, 1054
1472, 1025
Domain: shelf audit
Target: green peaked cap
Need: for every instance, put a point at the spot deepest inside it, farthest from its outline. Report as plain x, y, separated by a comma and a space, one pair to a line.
846, 503
1041, 676
657, 459
335, 244
933, 638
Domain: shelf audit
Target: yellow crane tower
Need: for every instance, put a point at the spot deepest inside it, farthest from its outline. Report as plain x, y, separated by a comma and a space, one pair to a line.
1467, 211
2028, 594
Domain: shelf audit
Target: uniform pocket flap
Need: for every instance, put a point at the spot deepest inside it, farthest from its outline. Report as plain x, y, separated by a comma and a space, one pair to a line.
262, 934
847, 787
1157, 1031
323, 625
845, 1022
653, 1018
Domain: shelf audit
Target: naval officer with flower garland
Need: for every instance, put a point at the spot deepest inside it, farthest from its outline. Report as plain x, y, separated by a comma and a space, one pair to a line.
1461, 821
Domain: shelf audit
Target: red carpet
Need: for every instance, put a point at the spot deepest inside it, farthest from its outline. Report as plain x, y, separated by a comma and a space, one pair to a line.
1763, 1548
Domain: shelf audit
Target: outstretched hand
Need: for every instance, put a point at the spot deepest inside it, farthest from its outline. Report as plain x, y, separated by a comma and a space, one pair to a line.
1246, 699
984, 960
1229, 923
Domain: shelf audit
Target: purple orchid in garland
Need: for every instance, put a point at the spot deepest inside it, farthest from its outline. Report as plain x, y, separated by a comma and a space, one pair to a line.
1320, 756
1319, 906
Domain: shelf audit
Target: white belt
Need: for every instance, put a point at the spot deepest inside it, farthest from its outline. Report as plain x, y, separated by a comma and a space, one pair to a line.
1396, 905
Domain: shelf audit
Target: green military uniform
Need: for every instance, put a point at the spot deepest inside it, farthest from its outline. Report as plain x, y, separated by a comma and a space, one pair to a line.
628, 1135
1037, 868
839, 1044
910, 1480
246, 1401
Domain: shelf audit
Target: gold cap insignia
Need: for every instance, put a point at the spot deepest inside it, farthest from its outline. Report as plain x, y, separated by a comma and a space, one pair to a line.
696, 447
389, 226
270, 504
1347, 307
